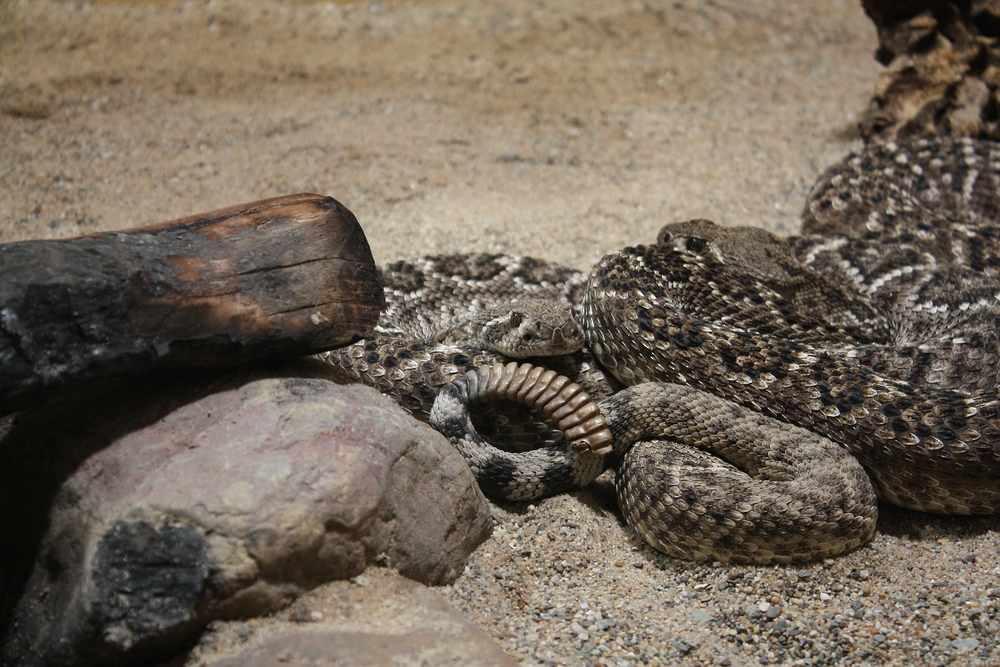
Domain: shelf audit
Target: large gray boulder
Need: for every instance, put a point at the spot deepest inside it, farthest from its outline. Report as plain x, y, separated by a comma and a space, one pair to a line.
133, 515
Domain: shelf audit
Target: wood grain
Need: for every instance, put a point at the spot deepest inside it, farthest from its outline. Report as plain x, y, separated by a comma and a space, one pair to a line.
286, 276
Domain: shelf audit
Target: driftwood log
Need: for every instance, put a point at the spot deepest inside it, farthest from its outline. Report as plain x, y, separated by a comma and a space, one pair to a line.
942, 76
286, 276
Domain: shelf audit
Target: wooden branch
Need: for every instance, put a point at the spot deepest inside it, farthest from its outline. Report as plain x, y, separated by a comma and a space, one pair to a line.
286, 276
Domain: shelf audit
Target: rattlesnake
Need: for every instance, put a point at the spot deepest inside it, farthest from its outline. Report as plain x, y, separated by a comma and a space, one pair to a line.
875, 329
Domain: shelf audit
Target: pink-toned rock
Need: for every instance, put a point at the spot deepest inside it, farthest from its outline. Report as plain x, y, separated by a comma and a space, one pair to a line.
141, 512
379, 619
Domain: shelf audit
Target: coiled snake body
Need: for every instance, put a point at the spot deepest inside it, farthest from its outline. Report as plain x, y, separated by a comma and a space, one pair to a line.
875, 330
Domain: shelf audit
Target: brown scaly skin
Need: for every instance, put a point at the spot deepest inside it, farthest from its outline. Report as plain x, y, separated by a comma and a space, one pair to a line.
877, 330
696, 316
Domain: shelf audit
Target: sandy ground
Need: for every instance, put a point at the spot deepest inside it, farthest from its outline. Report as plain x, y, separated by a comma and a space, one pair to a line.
559, 129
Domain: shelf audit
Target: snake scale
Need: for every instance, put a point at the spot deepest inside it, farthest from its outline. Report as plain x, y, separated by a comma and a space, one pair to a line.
772, 387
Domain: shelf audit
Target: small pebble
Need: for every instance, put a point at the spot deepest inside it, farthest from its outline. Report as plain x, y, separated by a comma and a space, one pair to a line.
965, 645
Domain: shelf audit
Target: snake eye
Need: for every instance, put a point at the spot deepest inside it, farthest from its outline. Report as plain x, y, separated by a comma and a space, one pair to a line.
515, 319
696, 244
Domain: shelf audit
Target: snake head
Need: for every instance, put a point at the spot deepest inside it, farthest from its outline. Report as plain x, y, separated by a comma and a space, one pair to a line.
694, 236
529, 328
750, 251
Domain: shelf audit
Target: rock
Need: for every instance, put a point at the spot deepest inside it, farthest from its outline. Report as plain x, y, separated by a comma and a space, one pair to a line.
965, 645
388, 620
942, 71
143, 510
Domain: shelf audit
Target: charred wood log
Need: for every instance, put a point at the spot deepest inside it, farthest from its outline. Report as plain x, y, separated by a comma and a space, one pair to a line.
942, 74
286, 276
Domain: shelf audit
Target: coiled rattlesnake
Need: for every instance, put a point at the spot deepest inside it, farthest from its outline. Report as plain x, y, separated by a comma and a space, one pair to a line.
875, 329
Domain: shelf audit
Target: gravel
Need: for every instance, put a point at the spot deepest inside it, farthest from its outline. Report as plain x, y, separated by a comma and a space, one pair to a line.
558, 585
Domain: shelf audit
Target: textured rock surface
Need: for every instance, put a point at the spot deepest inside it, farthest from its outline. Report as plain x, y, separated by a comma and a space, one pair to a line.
136, 514
942, 71
378, 618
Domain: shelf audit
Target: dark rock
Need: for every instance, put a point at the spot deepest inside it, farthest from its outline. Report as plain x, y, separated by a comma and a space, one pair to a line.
136, 514
147, 581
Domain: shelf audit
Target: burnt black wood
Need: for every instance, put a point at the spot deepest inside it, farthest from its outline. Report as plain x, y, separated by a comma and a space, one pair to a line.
279, 277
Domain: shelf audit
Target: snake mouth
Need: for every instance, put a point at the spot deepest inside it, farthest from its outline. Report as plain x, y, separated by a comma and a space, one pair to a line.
563, 401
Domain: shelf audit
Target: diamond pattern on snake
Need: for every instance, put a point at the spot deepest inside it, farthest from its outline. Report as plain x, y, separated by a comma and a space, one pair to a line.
761, 392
